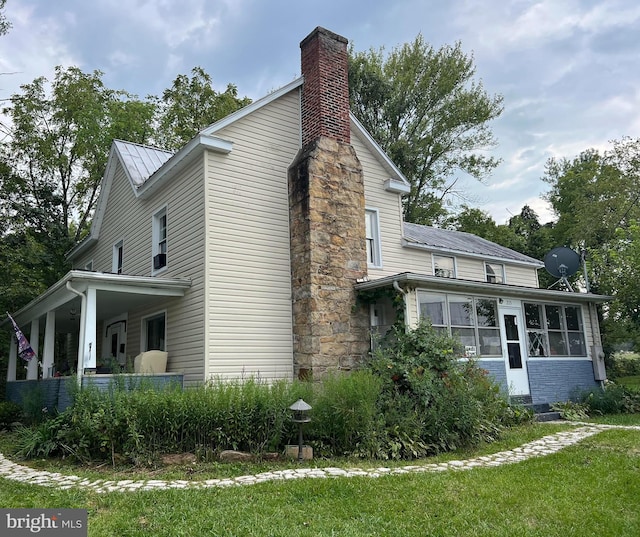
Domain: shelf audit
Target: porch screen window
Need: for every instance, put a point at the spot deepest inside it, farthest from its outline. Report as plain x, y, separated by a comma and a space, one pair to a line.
554, 330
374, 255
155, 333
444, 266
473, 320
160, 239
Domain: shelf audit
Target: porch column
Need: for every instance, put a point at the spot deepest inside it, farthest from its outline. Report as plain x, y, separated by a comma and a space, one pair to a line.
34, 338
13, 358
89, 351
49, 343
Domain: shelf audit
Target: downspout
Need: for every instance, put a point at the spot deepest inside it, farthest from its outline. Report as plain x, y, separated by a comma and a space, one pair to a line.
400, 290
83, 316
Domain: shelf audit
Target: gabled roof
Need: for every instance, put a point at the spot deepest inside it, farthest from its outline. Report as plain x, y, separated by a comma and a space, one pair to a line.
459, 242
140, 161
147, 167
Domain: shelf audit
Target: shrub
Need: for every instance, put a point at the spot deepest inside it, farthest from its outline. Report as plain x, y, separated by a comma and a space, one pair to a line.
345, 413
623, 364
432, 400
10, 413
613, 399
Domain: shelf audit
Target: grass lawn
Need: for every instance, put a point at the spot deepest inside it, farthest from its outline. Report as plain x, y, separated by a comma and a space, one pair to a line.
592, 488
632, 382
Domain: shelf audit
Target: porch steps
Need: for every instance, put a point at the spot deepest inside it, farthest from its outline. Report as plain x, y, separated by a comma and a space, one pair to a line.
542, 412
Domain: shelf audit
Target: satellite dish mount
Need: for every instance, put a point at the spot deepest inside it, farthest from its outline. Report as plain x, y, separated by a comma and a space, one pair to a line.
562, 263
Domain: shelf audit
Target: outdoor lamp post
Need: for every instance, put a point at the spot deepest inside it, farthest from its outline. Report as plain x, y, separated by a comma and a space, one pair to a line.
300, 416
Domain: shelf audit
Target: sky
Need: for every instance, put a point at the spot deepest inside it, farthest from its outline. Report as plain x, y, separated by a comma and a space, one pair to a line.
569, 70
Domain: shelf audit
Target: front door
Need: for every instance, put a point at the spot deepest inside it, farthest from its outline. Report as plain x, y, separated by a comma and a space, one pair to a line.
116, 338
515, 351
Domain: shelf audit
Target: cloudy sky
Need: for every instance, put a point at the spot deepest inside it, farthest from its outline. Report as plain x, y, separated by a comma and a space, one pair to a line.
569, 70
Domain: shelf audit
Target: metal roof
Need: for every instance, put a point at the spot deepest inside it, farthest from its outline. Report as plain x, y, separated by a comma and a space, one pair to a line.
140, 161
447, 240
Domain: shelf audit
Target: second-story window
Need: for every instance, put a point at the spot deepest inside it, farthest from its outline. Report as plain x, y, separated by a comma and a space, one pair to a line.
494, 272
118, 257
444, 266
160, 239
374, 254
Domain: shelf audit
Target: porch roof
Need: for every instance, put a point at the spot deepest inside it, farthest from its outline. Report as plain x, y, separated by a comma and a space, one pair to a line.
115, 293
468, 286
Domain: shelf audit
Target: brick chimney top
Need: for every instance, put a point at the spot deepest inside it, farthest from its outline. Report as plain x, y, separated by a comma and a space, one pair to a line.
325, 92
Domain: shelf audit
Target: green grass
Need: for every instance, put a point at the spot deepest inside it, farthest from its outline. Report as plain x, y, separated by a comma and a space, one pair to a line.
588, 489
632, 382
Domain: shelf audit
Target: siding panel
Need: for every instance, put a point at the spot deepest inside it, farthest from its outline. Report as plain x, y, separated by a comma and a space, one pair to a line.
248, 254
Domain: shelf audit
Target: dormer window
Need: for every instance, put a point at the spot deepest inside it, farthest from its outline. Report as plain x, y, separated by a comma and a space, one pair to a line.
444, 266
159, 238
494, 272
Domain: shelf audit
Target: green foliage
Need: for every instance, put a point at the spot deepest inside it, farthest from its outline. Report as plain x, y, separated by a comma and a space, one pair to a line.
623, 364
424, 108
433, 401
5, 25
190, 105
613, 399
345, 413
10, 413
595, 198
571, 410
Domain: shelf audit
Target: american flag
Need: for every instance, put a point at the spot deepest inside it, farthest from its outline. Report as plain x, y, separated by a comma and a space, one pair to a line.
24, 347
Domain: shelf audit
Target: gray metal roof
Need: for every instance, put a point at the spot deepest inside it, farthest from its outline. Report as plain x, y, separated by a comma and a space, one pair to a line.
140, 161
447, 240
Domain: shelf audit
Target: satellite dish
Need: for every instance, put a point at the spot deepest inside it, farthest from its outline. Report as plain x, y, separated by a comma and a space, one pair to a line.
561, 263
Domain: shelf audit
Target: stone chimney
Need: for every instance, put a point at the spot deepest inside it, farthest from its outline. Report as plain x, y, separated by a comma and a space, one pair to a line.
326, 212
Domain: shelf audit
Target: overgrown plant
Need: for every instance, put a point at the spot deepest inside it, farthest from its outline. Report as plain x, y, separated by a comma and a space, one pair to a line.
432, 399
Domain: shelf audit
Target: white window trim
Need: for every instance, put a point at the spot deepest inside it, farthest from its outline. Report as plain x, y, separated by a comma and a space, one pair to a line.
114, 258
155, 238
564, 330
376, 261
455, 265
143, 329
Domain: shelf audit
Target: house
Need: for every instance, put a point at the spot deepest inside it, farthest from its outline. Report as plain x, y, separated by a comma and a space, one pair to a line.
272, 245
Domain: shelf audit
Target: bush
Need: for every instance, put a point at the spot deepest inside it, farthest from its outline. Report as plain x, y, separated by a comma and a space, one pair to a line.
10, 413
345, 414
613, 399
432, 401
623, 364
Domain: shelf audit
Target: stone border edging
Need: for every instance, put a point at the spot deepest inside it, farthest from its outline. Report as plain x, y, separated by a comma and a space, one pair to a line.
546, 445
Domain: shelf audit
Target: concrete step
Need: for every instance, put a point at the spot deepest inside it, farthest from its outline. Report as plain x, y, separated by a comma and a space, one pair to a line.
547, 416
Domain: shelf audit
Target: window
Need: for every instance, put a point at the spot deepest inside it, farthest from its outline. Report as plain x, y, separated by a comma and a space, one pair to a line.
474, 321
154, 332
374, 254
444, 266
159, 238
118, 250
554, 330
494, 272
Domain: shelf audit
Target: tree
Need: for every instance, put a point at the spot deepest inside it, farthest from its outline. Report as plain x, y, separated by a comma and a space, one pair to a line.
427, 112
190, 105
58, 148
595, 198
5, 25
480, 223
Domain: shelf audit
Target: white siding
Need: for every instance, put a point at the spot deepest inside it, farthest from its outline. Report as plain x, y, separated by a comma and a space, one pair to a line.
395, 257
130, 219
248, 262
